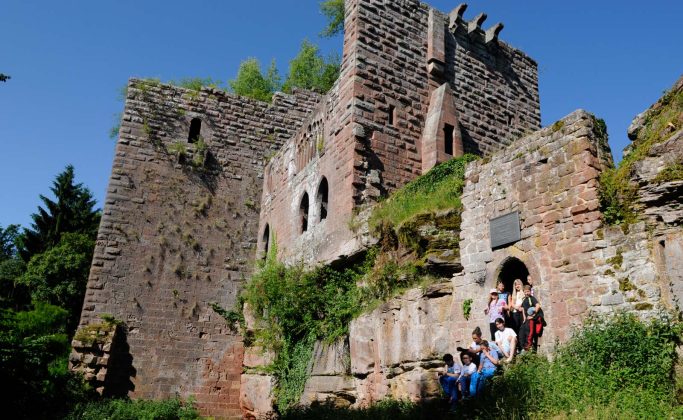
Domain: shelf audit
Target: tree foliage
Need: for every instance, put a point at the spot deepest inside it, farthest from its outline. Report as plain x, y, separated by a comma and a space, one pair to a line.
73, 211
59, 275
310, 70
4, 77
334, 12
8, 241
11, 267
252, 83
33, 364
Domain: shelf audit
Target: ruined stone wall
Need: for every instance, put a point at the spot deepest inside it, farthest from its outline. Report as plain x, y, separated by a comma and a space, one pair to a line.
178, 233
576, 264
320, 153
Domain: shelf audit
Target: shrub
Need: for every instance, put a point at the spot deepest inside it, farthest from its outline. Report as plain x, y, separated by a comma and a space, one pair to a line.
119, 409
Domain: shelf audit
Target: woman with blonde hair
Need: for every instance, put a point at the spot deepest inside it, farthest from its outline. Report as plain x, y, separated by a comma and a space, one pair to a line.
515, 304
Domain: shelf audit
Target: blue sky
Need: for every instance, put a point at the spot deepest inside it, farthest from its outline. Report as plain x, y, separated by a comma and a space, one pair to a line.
69, 59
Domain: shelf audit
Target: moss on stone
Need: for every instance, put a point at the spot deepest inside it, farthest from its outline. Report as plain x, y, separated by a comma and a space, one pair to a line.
643, 306
557, 126
616, 260
626, 285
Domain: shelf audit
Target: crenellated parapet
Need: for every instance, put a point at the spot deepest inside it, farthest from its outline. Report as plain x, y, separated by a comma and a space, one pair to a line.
473, 27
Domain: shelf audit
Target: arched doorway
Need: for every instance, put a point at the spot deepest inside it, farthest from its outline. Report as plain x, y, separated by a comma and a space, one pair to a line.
511, 269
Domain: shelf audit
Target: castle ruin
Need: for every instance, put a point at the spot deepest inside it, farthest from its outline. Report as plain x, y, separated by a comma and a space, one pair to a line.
203, 181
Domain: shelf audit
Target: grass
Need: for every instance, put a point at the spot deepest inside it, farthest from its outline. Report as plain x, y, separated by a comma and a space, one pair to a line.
673, 172
438, 189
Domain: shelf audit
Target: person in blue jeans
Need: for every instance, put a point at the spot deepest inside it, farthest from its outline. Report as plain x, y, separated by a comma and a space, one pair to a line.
487, 368
468, 370
449, 379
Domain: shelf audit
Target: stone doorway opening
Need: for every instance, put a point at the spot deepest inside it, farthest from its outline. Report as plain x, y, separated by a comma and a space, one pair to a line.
511, 269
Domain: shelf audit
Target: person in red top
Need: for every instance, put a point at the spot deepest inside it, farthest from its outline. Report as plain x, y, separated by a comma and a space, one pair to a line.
532, 328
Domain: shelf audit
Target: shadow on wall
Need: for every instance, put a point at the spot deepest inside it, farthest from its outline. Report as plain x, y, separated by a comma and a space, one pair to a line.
118, 382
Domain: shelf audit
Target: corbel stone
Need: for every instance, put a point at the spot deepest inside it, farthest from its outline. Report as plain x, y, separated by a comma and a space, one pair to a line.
455, 16
492, 32
476, 23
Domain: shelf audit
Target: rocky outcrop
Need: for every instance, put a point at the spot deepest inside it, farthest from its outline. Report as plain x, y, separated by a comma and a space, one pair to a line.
392, 352
658, 172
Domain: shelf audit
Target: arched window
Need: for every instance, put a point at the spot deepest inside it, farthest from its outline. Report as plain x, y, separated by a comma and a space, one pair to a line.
322, 198
303, 213
266, 241
195, 130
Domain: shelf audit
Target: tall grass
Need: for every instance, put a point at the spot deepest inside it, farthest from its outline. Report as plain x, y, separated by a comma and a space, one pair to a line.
438, 189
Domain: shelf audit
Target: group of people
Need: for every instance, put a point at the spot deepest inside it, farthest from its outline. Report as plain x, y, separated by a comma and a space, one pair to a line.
516, 322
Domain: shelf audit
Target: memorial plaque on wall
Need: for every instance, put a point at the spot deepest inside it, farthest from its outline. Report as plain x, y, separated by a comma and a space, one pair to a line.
504, 230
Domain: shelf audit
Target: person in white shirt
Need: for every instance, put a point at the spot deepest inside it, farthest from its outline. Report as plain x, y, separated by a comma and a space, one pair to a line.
468, 369
506, 340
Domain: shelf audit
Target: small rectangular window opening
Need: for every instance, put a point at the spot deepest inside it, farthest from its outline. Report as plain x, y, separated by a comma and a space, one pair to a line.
195, 130
392, 114
448, 138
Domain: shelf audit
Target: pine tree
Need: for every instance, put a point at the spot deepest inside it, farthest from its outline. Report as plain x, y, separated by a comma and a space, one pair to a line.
73, 211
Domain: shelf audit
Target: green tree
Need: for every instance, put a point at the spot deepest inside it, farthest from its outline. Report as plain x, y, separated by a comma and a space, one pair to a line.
251, 82
73, 211
309, 70
59, 275
12, 295
8, 240
334, 12
33, 364
4, 77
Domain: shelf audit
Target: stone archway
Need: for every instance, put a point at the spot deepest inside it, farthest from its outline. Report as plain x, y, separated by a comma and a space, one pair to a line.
510, 269
503, 266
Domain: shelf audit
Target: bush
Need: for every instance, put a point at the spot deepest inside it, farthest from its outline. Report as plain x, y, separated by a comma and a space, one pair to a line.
33, 364
115, 409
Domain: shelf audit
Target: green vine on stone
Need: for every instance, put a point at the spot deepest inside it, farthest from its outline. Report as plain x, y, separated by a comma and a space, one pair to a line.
467, 308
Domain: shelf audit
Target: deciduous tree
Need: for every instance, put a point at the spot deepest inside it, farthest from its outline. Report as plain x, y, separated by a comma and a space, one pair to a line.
334, 11
251, 82
309, 70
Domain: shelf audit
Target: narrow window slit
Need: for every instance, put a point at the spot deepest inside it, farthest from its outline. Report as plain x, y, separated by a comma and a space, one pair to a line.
448, 138
195, 130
